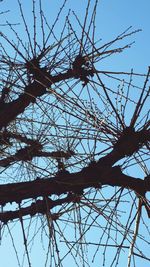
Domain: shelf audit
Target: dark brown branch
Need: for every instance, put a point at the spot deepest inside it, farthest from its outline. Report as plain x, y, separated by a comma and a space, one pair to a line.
23, 154
128, 143
94, 175
9, 111
5, 137
39, 206
29, 152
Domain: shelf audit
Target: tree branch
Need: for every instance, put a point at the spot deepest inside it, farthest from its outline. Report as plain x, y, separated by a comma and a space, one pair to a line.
64, 182
9, 111
39, 206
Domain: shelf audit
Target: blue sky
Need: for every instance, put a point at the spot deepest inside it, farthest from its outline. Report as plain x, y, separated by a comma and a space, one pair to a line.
113, 17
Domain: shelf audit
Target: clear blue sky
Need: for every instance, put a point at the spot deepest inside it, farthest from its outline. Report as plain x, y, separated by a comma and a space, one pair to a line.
113, 17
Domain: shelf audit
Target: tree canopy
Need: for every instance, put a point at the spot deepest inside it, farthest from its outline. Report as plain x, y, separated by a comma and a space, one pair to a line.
74, 141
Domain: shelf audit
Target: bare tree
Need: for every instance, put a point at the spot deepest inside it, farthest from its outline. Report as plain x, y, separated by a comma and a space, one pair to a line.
74, 142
